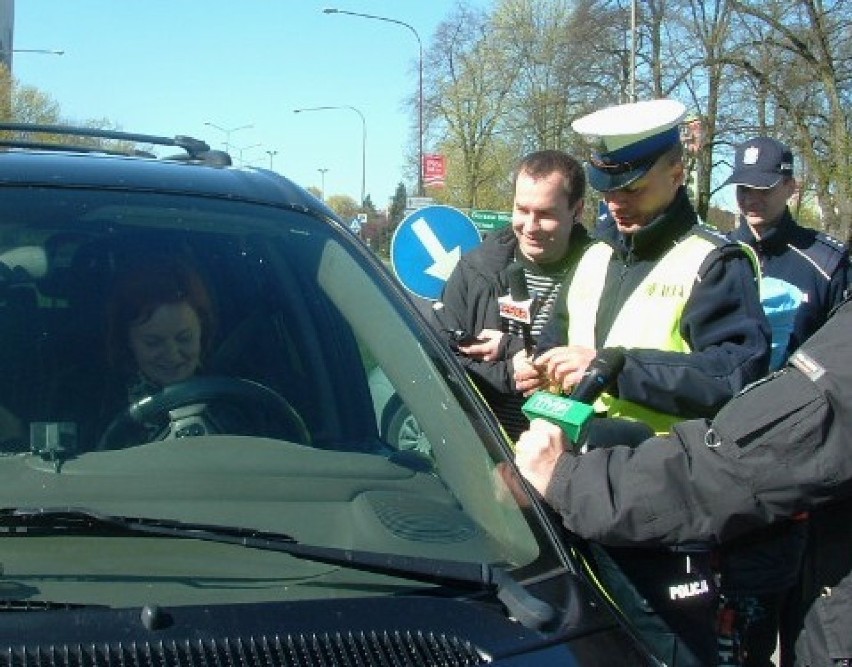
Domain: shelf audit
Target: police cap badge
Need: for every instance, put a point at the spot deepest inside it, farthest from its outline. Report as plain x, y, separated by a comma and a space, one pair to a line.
761, 163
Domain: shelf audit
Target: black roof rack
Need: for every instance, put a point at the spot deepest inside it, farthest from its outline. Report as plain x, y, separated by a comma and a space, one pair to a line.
195, 149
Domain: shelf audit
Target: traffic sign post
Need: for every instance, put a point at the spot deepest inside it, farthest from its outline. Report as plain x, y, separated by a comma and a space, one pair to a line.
413, 204
490, 220
427, 245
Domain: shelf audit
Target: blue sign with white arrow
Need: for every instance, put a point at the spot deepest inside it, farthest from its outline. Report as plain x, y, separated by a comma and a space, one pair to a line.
427, 245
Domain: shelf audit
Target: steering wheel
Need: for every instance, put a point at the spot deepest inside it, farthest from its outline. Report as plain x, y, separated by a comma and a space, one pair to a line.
185, 404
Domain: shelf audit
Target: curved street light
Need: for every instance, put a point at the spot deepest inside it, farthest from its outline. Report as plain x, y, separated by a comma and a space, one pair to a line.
271, 155
363, 141
333, 10
243, 149
7, 54
48, 52
228, 131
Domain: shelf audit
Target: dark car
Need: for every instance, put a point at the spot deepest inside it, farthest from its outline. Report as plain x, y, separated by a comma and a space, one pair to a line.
249, 511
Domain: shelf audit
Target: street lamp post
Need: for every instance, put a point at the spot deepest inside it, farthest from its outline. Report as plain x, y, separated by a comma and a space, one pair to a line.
243, 149
322, 171
333, 10
48, 52
633, 51
363, 142
271, 155
228, 131
6, 54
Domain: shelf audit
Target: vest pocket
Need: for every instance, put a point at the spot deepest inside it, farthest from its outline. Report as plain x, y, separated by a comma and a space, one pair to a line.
783, 408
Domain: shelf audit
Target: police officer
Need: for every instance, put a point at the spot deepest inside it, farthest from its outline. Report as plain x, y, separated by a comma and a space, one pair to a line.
682, 302
810, 267
804, 275
679, 297
782, 446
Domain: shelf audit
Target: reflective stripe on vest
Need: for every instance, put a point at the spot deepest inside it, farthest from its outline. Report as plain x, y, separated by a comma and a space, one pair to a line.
649, 319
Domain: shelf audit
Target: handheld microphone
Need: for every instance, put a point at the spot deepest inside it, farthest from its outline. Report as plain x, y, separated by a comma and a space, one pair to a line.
517, 282
599, 375
572, 413
518, 305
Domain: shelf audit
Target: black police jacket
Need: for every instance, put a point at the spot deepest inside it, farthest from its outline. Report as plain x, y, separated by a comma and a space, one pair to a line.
814, 262
817, 265
781, 447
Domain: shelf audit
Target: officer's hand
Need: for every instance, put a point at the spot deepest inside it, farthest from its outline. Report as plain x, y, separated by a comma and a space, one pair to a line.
487, 346
527, 375
565, 365
537, 451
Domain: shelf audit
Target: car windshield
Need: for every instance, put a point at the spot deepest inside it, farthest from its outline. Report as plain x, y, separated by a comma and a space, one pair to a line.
281, 387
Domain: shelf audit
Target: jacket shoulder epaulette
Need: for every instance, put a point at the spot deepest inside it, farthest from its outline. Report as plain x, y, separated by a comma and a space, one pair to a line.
835, 246
713, 235
825, 251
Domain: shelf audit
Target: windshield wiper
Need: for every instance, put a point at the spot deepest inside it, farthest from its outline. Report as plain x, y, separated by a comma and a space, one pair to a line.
527, 609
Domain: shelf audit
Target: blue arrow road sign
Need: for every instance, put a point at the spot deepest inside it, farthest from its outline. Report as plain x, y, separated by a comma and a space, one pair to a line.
427, 245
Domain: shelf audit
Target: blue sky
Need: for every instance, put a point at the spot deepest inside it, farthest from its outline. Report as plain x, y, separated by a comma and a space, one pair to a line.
167, 67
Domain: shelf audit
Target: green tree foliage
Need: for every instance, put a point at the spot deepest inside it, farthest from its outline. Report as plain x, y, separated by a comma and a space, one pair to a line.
803, 83
396, 211
468, 95
315, 191
368, 207
344, 205
560, 73
494, 190
30, 105
27, 104
510, 79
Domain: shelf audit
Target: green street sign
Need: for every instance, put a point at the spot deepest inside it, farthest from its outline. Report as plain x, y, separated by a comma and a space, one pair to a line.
488, 220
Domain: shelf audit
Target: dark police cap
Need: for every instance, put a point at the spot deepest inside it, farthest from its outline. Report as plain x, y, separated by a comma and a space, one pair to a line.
630, 138
761, 163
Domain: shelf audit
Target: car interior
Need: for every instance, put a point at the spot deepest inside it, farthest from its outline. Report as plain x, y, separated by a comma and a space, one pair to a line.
272, 327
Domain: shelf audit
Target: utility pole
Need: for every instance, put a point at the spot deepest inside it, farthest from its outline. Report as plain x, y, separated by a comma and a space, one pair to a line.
322, 171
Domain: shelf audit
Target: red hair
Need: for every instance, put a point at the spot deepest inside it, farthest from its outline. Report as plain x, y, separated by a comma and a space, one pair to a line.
143, 288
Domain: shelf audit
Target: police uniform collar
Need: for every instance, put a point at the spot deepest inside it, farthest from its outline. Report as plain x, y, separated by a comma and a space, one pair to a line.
775, 235
657, 237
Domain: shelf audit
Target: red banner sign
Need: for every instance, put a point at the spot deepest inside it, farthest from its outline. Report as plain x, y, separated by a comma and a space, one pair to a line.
434, 170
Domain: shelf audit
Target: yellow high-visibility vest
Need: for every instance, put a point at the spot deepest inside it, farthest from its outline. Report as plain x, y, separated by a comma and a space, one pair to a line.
649, 319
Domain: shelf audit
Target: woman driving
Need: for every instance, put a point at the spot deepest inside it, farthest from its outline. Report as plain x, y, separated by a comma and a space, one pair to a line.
160, 325
159, 331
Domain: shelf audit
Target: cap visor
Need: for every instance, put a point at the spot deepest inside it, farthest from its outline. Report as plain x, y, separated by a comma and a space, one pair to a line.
754, 179
603, 181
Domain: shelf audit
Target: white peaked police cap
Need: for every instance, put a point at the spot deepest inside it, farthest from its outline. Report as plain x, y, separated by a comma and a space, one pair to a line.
629, 138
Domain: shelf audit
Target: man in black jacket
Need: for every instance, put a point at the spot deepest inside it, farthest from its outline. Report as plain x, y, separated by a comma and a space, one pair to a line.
781, 447
546, 238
